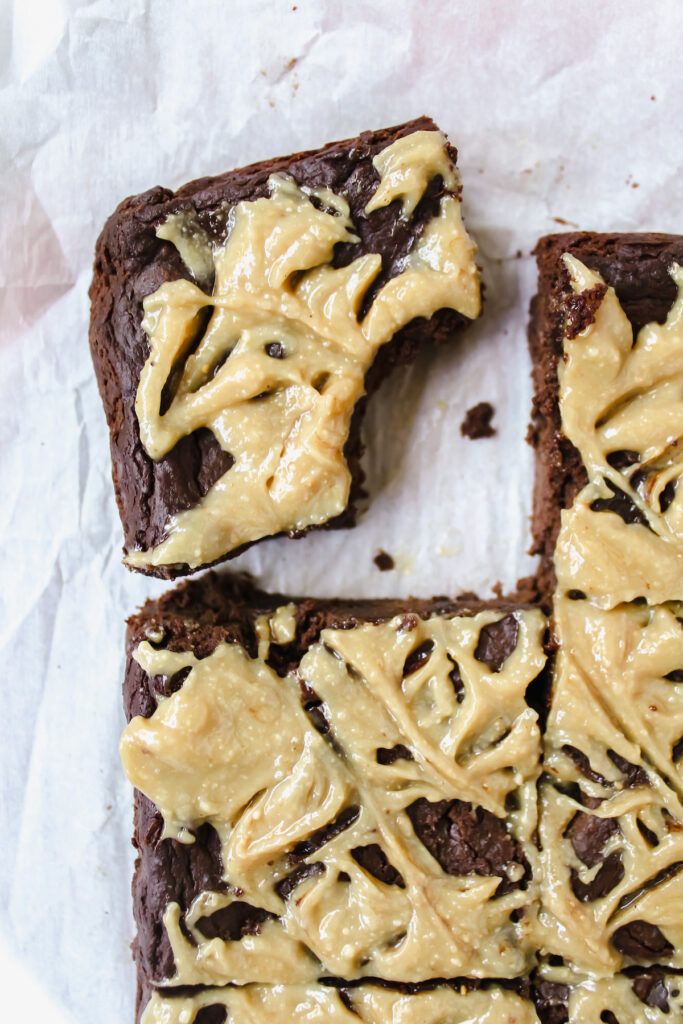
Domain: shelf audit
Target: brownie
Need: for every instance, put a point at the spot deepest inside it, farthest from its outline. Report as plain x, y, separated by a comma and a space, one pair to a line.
132, 263
637, 267
453, 837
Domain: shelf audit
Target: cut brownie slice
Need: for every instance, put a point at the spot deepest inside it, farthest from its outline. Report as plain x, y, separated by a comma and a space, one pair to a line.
637, 267
611, 813
331, 789
238, 323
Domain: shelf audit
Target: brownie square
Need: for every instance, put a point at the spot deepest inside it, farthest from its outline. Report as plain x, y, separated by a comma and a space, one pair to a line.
239, 324
333, 789
637, 267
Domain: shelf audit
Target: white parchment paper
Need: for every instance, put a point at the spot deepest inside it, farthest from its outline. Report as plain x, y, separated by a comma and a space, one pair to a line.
563, 114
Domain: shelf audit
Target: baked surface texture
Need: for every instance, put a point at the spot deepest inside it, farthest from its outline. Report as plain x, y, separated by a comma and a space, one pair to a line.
132, 263
454, 844
637, 267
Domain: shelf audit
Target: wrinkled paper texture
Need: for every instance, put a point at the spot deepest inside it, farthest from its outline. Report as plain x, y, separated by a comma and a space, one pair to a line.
564, 117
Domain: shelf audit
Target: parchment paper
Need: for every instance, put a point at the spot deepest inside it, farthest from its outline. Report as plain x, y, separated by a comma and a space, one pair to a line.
564, 115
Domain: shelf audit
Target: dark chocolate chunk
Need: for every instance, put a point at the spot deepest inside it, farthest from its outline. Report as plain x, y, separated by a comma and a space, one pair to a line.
286, 886
233, 922
583, 764
374, 860
418, 657
635, 775
621, 504
456, 679
651, 990
468, 841
588, 835
275, 350
552, 1000
388, 755
477, 422
216, 1014
610, 873
641, 940
623, 458
496, 642
323, 835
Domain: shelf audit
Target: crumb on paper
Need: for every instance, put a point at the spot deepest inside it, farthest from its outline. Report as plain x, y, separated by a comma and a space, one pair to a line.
383, 561
653, 97
518, 254
634, 184
567, 223
477, 422
441, 405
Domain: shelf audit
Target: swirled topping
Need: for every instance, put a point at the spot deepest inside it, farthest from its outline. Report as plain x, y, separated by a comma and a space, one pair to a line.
377, 808
611, 815
267, 349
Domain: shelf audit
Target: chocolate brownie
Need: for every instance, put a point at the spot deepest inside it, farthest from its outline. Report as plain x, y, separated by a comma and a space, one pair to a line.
234, 373
637, 267
353, 688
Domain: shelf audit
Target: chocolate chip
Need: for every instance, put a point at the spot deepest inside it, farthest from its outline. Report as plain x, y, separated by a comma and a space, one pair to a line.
286, 886
623, 458
323, 835
652, 991
621, 504
214, 1014
275, 350
646, 833
496, 642
635, 775
641, 940
418, 657
588, 834
466, 840
583, 764
576, 595
456, 679
233, 922
551, 999
316, 712
374, 860
388, 755
667, 496
608, 876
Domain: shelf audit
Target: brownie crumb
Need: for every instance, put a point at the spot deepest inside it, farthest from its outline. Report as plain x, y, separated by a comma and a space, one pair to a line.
383, 561
477, 422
